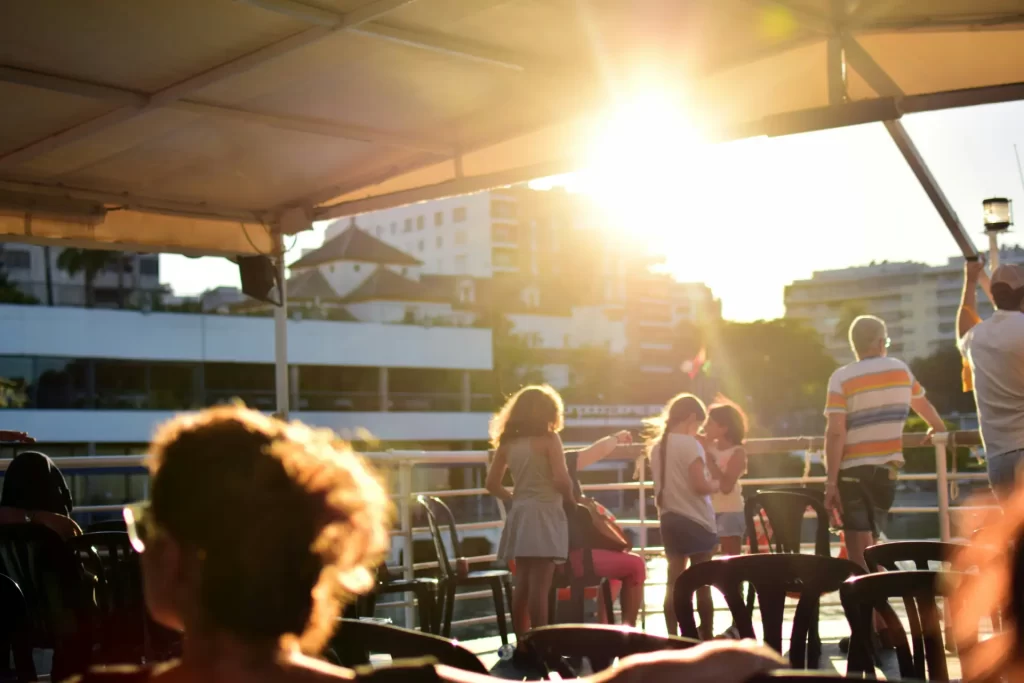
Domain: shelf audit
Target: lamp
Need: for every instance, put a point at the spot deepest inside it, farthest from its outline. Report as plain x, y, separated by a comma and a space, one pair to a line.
998, 217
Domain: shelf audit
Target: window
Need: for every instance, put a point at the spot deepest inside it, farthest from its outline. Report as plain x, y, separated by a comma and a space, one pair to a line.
459, 214
149, 266
460, 237
394, 227
17, 259
15, 379
466, 293
419, 222
408, 225
421, 246
504, 234
460, 263
253, 383
380, 231
439, 219
502, 209
440, 242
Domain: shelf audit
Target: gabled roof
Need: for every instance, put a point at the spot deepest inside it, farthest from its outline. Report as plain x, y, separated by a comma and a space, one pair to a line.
310, 284
385, 285
355, 244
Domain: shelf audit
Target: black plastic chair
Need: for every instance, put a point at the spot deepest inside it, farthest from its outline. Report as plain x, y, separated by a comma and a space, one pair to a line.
62, 614
498, 580
772, 577
918, 589
14, 628
574, 611
886, 555
561, 648
424, 588
355, 640
781, 514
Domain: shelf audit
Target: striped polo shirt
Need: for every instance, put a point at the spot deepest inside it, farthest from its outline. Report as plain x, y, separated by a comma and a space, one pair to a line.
875, 395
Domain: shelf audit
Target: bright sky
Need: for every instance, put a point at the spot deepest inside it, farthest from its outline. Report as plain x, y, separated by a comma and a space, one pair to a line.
750, 217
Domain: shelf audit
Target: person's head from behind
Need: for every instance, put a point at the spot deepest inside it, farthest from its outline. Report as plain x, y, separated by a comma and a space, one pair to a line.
683, 414
257, 530
531, 411
726, 422
33, 482
1008, 287
869, 337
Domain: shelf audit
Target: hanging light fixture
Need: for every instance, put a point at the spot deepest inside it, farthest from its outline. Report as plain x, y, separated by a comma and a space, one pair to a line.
998, 217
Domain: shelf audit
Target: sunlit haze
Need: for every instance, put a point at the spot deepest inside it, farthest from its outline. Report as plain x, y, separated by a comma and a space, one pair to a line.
750, 217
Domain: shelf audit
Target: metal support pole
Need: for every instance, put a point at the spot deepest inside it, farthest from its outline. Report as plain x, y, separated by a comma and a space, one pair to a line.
405, 512
939, 440
281, 333
293, 385
931, 187
382, 390
642, 514
467, 396
993, 250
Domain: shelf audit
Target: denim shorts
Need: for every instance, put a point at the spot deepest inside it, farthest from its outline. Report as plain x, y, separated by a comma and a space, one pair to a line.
862, 486
1002, 472
731, 524
683, 536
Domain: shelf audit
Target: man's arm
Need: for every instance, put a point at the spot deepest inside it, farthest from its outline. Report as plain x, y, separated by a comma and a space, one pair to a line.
835, 442
927, 412
967, 316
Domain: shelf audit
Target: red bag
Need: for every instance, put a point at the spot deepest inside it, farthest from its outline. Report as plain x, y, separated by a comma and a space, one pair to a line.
605, 533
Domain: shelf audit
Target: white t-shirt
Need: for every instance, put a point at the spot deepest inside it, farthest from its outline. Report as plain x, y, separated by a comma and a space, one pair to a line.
994, 349
732, 501
677, 494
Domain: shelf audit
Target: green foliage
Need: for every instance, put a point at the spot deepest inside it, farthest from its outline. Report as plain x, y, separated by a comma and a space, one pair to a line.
940, 375
777, 370
10, 294
515, 363
918, 460
89, 262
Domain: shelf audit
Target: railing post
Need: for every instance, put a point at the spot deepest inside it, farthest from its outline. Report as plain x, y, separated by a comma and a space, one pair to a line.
642, 513
405, 512
939, 441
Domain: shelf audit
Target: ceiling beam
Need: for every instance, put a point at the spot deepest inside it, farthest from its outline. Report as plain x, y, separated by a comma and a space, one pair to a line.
183, 89
126, 97
131, 201
420, 40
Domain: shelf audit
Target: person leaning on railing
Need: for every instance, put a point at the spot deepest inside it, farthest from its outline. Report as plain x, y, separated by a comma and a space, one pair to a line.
867, 406
35, 492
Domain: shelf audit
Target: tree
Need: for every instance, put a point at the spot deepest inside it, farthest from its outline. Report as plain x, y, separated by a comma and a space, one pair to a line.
850, 311
11, 294
90, 263
515, 363
777, 370
940, 375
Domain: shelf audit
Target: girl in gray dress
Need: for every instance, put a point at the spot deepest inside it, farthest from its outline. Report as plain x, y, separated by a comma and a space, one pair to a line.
536, 534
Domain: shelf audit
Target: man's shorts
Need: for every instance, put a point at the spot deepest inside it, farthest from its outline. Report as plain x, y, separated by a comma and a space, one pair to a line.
864, 486
1002, 472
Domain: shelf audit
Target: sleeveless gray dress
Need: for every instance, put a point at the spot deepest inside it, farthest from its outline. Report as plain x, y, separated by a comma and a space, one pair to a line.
536, 525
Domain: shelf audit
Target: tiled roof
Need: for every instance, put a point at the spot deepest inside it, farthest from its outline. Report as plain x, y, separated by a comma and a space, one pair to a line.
386, 285
310, 284
355, 244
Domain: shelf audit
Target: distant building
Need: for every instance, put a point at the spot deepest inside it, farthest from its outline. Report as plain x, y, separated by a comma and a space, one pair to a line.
540, 259
136, 281
918, 302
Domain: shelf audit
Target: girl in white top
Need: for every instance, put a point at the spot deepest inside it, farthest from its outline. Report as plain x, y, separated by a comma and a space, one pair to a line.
683, 489
724, 432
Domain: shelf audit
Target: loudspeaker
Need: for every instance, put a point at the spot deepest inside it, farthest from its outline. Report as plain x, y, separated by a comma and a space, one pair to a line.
259, 278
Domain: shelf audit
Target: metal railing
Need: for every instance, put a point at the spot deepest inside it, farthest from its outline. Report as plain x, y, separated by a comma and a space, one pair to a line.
400, 467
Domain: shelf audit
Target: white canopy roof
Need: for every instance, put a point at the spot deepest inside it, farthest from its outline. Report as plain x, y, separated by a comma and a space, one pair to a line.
191, 125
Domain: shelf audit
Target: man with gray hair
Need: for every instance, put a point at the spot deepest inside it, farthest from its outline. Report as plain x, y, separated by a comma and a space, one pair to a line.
868, 403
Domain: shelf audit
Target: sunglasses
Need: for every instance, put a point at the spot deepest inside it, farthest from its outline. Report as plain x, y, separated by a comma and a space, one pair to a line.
142, 528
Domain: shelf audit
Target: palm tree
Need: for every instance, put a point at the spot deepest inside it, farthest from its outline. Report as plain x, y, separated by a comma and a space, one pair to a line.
90, 263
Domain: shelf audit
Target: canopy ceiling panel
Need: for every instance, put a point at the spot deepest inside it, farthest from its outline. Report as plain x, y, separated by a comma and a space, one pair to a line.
205, 114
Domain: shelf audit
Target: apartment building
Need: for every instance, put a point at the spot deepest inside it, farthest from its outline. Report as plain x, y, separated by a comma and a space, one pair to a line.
918, 302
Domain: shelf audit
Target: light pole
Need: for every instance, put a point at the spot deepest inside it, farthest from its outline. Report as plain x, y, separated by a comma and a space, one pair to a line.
998, 216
